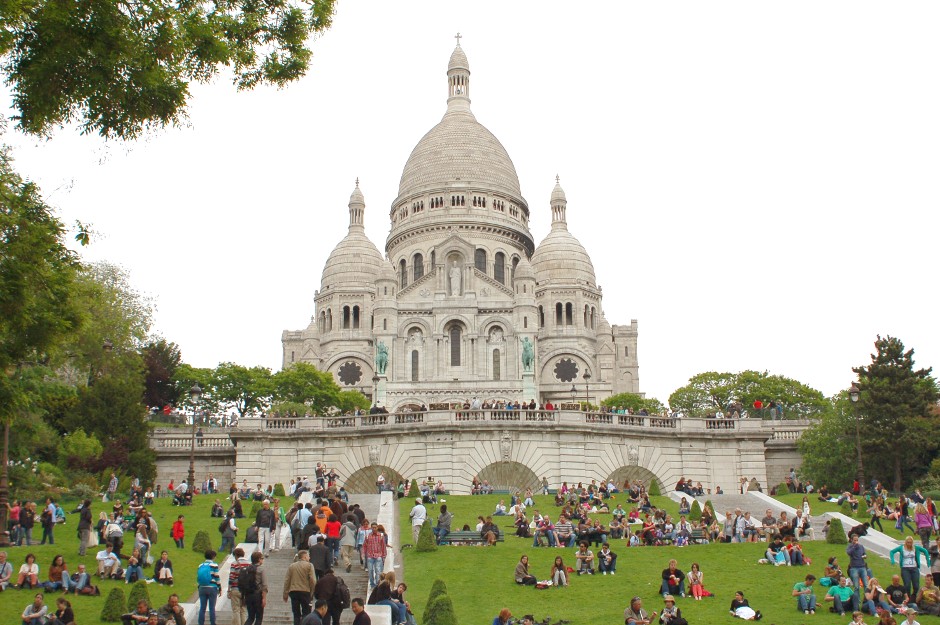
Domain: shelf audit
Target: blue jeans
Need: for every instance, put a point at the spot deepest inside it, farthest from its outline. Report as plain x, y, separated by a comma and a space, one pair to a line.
440, 533
856, 573
664, 589
602, 565
375, 566
796, 557
71, 586
549, 536
227, 541
207, 597
399, 611
850, 605
911, 577
133, 569
806, 602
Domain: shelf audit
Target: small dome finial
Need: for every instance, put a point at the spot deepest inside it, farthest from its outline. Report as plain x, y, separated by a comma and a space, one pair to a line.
457, 37
557, 179
357, 182
558, 203
357, 206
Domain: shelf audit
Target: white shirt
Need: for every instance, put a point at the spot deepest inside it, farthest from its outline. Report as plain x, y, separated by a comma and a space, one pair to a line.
418, 514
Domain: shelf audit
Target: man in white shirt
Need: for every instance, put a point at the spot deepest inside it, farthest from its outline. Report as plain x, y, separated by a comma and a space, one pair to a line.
6, 571
108, 562
419, 515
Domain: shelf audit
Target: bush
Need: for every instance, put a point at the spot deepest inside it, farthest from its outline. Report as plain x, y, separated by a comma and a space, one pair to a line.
426, 541
255, 508
279, 490
202, 543
836, 535
782, 489
441, 612
846, 509
695, 512
114, 606
654, 490
137, 594
438, 588
413, 491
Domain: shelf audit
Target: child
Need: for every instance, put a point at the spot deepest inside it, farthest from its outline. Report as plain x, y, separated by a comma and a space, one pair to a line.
178, 532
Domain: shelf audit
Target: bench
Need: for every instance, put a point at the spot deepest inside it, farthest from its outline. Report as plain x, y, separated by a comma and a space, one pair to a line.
469, 538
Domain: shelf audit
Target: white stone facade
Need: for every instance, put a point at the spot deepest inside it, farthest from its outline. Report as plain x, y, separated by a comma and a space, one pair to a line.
462, 286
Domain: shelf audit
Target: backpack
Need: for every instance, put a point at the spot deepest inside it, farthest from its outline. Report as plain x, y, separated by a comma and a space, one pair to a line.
204, 574
223, 525
342, 593
248, 580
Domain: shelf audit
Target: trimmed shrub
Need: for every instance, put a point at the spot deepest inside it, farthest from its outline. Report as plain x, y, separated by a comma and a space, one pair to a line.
441, 612
279, 490
846, 509
202, 543
782, 489
137, 594
426, 541
413, 491
695, 512
654, 490
836, 535
438, 588
255, 509
114, 606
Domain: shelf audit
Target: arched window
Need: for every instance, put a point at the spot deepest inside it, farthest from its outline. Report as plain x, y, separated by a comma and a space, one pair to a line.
593, 318
559, 315
499, 267
455, 345
525, 322
569, 314
479, 260
496, 365
403, 270
586, 316
414, 365
433, 260
329, 319
345, 317
322, 324
385, 324
355, 318
515, 264
418, 261
541, 317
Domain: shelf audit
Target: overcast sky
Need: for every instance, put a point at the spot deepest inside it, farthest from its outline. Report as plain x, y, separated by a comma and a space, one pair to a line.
756, 183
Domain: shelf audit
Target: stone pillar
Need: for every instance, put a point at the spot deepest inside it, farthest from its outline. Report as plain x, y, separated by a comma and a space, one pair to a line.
380, 390
528, 386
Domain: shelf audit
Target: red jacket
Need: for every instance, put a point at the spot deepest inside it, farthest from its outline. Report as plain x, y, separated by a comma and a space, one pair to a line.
177, 530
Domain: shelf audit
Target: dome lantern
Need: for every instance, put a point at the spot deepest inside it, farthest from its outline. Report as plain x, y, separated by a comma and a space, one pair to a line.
559, 202
458, 80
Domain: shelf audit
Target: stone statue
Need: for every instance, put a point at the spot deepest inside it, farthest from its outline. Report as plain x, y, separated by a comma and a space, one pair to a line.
454, 279
505, 445
381, 357
528, 354
633, 455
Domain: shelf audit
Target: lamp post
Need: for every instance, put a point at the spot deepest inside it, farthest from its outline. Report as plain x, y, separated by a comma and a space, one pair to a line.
854, 394
587, 391
194, 394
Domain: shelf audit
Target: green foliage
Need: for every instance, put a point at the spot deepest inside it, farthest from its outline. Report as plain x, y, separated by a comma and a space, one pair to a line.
414, 488
255, 509
279, 490
247, 390
161, 360
349, 401
441, 612
897, 413
138, 593
184, 378
202, 543
438, 589
846, 509
114, 606
707, 393
635, 402
141, 57
426, 540
710, 506
78, 447
828, 447
695, 511
782, 488
654, 490
302, 383
836, 535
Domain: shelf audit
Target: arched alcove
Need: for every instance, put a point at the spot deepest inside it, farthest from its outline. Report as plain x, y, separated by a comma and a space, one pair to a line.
509, 475
633, 472
363, 480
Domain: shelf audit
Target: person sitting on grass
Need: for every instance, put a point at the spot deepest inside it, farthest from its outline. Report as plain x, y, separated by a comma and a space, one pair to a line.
489, 532
843, 597
636, 615
671, 615
805, 597
673, 580
606, 560
35, 613
898, 597
29, 573
875, 598
585, 558
135, 569
928, 599
522, 575
163, 570
740, 608
776, 553
559, 574
58, 571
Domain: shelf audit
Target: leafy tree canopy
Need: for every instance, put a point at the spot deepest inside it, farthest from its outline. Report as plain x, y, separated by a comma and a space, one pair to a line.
302, 383
118, 68
828, 448
247, 390
634, 402
710, 392
161, 360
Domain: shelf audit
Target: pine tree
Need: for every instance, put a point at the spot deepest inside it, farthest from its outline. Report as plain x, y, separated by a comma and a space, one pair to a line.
202, 543
695, 512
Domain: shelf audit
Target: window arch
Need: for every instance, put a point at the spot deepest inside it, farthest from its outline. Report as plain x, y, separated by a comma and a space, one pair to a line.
329, 319
593, 318
479, 259
455, 333
403, 271
433, 260
496, 365
586, 316
355, 317
415, 358
499, 267
541, 317
345, 317
515, 264
559, 315
569, 314
418, 262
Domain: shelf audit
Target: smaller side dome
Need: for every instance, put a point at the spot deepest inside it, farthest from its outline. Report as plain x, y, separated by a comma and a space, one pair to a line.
558, 194
524, 270
387, 272
355, 261
458, 60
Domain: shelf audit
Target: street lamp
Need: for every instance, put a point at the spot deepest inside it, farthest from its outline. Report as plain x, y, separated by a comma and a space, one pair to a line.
194, 394
854, 394
574, 393
587, 390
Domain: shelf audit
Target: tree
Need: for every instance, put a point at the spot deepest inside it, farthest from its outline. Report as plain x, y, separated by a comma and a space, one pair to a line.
247, 390
897, 423
828, 447
303, 383
161, 360
634, 402
119, 68
349, 401
184, 378
37, 310
426, 539
711, 392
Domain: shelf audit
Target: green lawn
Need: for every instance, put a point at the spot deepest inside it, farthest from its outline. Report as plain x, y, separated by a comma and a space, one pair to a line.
818, 507
88, 609
480, 579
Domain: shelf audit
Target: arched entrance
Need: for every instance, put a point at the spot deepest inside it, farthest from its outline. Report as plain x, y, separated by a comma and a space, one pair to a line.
363, 480
633, 473
511, 476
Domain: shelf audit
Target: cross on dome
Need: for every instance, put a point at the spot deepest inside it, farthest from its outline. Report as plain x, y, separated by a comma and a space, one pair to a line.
457, 37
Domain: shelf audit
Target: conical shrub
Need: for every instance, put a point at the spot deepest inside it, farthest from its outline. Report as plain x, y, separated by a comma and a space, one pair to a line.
846, 509
202, 543
138, 593
279, 490
695, 512
654, 490
438, 588
414, 492
426, 541
114, 606
441, 612
836, 534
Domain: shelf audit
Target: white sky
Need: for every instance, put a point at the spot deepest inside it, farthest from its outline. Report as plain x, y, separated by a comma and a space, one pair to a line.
755, 182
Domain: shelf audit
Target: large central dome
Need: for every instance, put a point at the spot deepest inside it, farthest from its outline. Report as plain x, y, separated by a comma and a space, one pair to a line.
459, 147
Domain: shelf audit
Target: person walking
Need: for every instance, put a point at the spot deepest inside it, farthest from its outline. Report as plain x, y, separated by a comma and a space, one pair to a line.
266, 521
347, 541
239, 614
257, 599
375, 552
84, 526
299, 584
418, 515
207, 579
327, 589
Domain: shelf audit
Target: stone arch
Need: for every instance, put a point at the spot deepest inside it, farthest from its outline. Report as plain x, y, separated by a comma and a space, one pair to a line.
634, 472
445, 322
363, 480
509, 475
406, 325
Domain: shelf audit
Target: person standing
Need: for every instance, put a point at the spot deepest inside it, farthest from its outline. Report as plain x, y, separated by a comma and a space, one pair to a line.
178, 532
265, 520
256, 601
207, 578
112, 488
419, 515
909, 556
327, 589
299, 584
375, 552
84, 526
234, 594
229, 530
347, 541
359, 610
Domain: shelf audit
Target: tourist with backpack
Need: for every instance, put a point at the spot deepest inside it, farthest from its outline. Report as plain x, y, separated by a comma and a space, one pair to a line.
253, 586
332, 589
228, 529
207, 579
